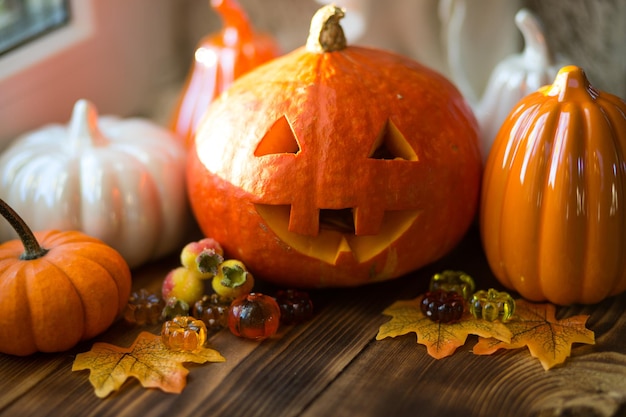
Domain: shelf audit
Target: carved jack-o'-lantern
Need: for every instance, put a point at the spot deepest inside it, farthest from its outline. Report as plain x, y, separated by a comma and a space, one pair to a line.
336, 165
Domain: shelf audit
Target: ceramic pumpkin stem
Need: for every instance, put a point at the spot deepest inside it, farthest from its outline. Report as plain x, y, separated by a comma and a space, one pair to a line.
83, 126
536, 46
326, 34
571, 83
32, 249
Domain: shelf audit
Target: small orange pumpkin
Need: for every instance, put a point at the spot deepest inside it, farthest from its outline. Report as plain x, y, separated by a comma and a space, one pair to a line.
336, 165
553, 216
57, 288
219, 59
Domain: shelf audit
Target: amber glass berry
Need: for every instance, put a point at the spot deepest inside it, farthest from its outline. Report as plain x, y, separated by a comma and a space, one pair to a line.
295, 306
143, 308
443, 306
212, 310
456, 281
492, 305
184, 333
254, 316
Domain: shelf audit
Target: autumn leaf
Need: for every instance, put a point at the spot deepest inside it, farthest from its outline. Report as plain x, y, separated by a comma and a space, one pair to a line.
440, 339
548, 339
147, 359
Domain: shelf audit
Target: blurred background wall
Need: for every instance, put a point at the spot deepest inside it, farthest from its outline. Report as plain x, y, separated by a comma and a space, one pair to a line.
137, 53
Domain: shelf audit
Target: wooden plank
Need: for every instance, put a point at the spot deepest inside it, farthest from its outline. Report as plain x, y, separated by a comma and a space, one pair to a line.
282, 376
333, 366
397, 377
19, 375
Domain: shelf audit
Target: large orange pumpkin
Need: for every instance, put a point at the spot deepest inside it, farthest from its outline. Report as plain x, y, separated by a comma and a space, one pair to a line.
552, 216
336, 165
57, 288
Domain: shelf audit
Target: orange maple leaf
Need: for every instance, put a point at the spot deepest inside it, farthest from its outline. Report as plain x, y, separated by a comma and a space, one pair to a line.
548, 339
147, 359
440, 339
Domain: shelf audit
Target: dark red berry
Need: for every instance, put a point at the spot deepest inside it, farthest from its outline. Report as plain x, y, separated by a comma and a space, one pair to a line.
295, 306
212, 310
443, 306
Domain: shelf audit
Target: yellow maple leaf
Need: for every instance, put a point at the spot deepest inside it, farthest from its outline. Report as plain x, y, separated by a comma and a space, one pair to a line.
147, 359
548, 339
440, 339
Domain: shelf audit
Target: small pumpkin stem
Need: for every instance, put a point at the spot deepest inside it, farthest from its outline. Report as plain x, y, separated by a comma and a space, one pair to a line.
83, 127
571, 83
326, 34
32, 249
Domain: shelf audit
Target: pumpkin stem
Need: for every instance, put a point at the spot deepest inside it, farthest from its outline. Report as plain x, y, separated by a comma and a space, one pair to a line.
536, 47
326, 34
32, 249
237, 26
571, 84
83, 127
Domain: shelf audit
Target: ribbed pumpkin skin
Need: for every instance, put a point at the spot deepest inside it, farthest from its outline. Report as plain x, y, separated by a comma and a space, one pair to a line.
73, 293
552, 213
336, 104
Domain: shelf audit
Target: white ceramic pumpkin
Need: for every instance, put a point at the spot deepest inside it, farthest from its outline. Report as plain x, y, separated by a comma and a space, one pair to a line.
515, 77
120, 180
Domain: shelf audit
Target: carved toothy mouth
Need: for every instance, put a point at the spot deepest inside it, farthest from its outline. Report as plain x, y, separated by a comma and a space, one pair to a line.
336, 233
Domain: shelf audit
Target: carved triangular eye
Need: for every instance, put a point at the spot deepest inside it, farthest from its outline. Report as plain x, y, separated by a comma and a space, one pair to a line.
391, 144
279, 139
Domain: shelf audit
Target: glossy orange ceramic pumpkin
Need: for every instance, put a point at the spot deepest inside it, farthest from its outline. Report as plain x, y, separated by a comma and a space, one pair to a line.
552, 215
219, 59
57, 288
336, 165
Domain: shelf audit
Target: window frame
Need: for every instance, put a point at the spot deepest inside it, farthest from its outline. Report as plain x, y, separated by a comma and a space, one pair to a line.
37, 50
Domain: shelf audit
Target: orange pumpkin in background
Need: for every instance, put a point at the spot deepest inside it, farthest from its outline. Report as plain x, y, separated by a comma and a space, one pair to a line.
219, 59
57, 288
336, 165
552, 217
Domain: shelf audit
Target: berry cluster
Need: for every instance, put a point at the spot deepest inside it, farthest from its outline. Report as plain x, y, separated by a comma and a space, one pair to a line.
451, 292
230, 303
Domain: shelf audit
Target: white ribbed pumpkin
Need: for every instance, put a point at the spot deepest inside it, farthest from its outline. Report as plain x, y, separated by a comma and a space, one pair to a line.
120, 180
514, 78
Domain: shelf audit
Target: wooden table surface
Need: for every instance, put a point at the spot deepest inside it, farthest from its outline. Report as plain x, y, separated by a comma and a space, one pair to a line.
333, 366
